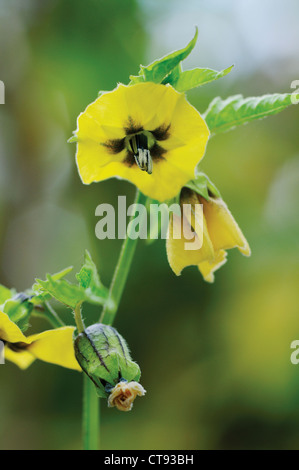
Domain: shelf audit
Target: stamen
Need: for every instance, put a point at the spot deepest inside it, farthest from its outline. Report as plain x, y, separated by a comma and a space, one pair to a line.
142, 155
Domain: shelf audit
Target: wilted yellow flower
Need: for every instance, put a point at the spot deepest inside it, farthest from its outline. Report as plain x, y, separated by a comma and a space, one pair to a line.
123, 395
54, 346
146, 133
215, 229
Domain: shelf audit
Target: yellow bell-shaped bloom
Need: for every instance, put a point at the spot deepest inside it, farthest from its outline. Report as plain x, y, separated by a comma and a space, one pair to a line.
214, 229
145, 133
54, 346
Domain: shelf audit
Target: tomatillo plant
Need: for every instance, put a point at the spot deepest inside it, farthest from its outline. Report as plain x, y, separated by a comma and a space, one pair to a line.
146, 132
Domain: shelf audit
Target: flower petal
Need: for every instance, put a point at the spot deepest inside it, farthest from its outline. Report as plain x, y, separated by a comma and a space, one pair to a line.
55, 346
164, 184
187, 123
109, 110
22, 358
123, 395
150, 105
92, 159
9, 331
223, 229
178, 256
207, 268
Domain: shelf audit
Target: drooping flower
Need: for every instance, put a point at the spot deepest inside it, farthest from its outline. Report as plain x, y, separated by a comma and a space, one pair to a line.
212, 225
123, 395
53, 346
145, 133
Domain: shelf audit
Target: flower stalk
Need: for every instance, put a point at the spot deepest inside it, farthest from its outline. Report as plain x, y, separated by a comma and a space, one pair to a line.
51, 315
78, 318
91, 405
91, 415
121, 272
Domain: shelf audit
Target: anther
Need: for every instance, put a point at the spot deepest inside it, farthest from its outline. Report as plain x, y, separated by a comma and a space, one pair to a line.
142, 155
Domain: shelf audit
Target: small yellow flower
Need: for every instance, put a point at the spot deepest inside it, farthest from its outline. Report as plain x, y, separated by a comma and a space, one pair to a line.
145, 133
54, 346
218, 232
123, 395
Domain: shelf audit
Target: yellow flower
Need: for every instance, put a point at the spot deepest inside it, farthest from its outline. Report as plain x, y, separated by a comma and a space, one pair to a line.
145, 133
54, 346
212, 226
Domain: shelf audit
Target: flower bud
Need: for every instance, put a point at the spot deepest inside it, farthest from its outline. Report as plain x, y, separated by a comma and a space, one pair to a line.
104, 356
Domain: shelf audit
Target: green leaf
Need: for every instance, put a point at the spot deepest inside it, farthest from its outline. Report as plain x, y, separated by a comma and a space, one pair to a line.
136, 79
224, 115
72, 139
173, 76
203, 185
90, 288
62, 273
89, 279
71, 294
159, 69
185, 81
102, 92
63, 291
40, 295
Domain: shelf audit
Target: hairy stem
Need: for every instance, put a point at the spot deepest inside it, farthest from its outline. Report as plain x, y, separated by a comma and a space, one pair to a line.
78, 319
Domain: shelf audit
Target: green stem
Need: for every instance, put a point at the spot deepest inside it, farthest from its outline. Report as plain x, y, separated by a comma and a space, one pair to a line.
122, 270
49, 314
91, 415
91, 407
78, 319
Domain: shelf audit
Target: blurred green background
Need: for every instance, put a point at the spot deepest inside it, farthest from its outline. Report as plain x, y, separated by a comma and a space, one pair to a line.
215, 358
